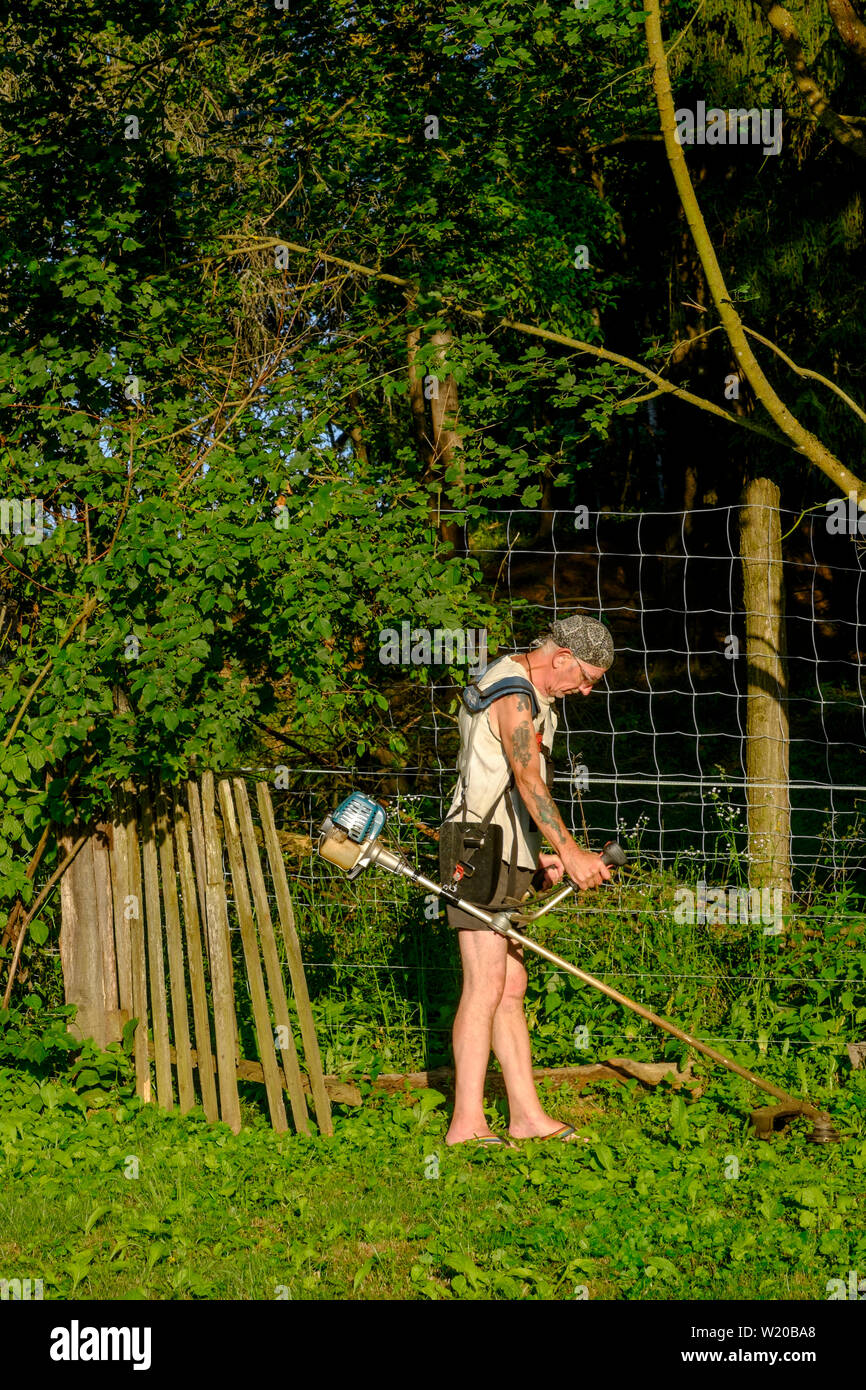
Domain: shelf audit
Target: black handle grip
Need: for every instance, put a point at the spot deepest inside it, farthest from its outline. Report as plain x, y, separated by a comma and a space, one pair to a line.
614, 855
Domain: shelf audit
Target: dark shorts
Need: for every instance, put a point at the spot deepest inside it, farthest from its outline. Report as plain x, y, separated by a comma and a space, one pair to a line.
464, 921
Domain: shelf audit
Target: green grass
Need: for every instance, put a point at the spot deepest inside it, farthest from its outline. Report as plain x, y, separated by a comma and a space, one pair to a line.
129, 1202
673, 1198
385, 981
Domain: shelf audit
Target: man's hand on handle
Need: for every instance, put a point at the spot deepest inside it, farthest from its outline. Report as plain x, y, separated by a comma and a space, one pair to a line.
553, 867
583, 868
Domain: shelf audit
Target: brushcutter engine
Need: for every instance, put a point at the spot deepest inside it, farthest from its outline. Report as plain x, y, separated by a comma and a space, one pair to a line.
348, 837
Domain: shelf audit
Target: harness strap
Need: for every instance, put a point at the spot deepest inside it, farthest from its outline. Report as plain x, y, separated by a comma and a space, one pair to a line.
476, 701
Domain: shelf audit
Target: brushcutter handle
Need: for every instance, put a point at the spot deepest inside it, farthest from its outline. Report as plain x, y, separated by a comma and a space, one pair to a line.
614, 855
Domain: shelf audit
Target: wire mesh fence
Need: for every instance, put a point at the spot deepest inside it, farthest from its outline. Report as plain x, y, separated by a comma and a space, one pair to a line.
655, 757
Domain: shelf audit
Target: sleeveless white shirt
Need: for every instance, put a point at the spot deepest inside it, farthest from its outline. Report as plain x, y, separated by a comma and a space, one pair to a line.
484, 770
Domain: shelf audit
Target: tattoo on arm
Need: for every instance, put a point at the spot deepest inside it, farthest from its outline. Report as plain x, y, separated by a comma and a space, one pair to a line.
521, 744
546, 815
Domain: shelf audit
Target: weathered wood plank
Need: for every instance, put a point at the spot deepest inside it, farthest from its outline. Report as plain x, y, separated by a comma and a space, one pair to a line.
155, 960
196, 832
196, 828
87, 930
279, 1002
442, 1078
261, 1013
135, 909
620, 1069
220, 960
312, 1056
120, 892
176, 971
198, 987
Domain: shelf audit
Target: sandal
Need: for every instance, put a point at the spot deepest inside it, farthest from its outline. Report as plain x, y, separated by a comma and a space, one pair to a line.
566, 1134
486, 1141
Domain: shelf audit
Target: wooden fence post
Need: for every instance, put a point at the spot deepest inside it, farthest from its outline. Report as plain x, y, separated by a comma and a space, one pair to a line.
258, 994
286, 915
279, 1001
143, 1084
767, 747
225, 1024
87, 936
156, 956
198, 986
174, 945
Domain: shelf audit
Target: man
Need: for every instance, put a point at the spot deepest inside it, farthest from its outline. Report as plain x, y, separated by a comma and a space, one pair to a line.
502, 760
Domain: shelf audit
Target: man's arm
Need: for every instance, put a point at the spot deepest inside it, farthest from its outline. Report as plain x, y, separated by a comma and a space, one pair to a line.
511, 718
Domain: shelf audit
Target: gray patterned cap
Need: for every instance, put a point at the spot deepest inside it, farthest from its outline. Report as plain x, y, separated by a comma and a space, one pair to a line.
586, 639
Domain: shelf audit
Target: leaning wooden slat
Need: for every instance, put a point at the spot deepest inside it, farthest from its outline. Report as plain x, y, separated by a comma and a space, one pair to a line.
220, 961
296, 965
196, 831
155, 959
120, 892
197, 985
176, 971
196, 827
261, 1014
135, 907
291, 1067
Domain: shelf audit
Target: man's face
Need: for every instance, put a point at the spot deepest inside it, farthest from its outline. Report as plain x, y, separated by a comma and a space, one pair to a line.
573, 677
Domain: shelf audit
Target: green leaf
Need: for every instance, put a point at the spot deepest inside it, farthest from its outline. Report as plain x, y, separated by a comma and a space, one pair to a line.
605, 1157
679, 1119
362, 1272
95, 1215
38, 931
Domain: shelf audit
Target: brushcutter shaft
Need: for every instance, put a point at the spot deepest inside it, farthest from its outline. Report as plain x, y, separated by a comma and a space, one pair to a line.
659, 1022
363, 819
500, 923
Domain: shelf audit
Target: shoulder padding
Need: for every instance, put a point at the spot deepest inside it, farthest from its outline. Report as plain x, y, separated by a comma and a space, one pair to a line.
477, 700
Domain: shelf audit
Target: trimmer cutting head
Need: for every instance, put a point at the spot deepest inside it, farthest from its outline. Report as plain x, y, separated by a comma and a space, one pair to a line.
770, 1119
824, 1132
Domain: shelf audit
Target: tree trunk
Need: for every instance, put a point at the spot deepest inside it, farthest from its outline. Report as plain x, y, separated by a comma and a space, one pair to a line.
444, 407
87, 937
437, 446
767, 751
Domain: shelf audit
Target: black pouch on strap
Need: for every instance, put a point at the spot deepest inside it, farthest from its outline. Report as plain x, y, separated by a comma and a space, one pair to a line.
479, 849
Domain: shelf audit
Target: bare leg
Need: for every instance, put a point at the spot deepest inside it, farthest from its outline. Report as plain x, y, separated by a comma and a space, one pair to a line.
527, 1116
483, 955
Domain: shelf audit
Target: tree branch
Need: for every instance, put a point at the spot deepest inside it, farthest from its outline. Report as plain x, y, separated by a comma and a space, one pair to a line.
562, 339
58, 873
804, 441
88, 608
849, 27
805, 371
780, 20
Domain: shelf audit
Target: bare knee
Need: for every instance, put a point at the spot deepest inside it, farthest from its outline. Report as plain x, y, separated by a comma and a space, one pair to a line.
514, 986
484, 971
484, 993
483, 989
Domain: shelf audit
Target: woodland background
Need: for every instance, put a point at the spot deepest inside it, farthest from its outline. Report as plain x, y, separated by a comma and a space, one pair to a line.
233, 252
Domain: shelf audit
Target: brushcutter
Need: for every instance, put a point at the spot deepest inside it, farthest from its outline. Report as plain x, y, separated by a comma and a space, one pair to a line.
349, 839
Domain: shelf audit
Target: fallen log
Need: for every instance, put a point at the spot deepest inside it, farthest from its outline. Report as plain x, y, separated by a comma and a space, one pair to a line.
619, 1069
